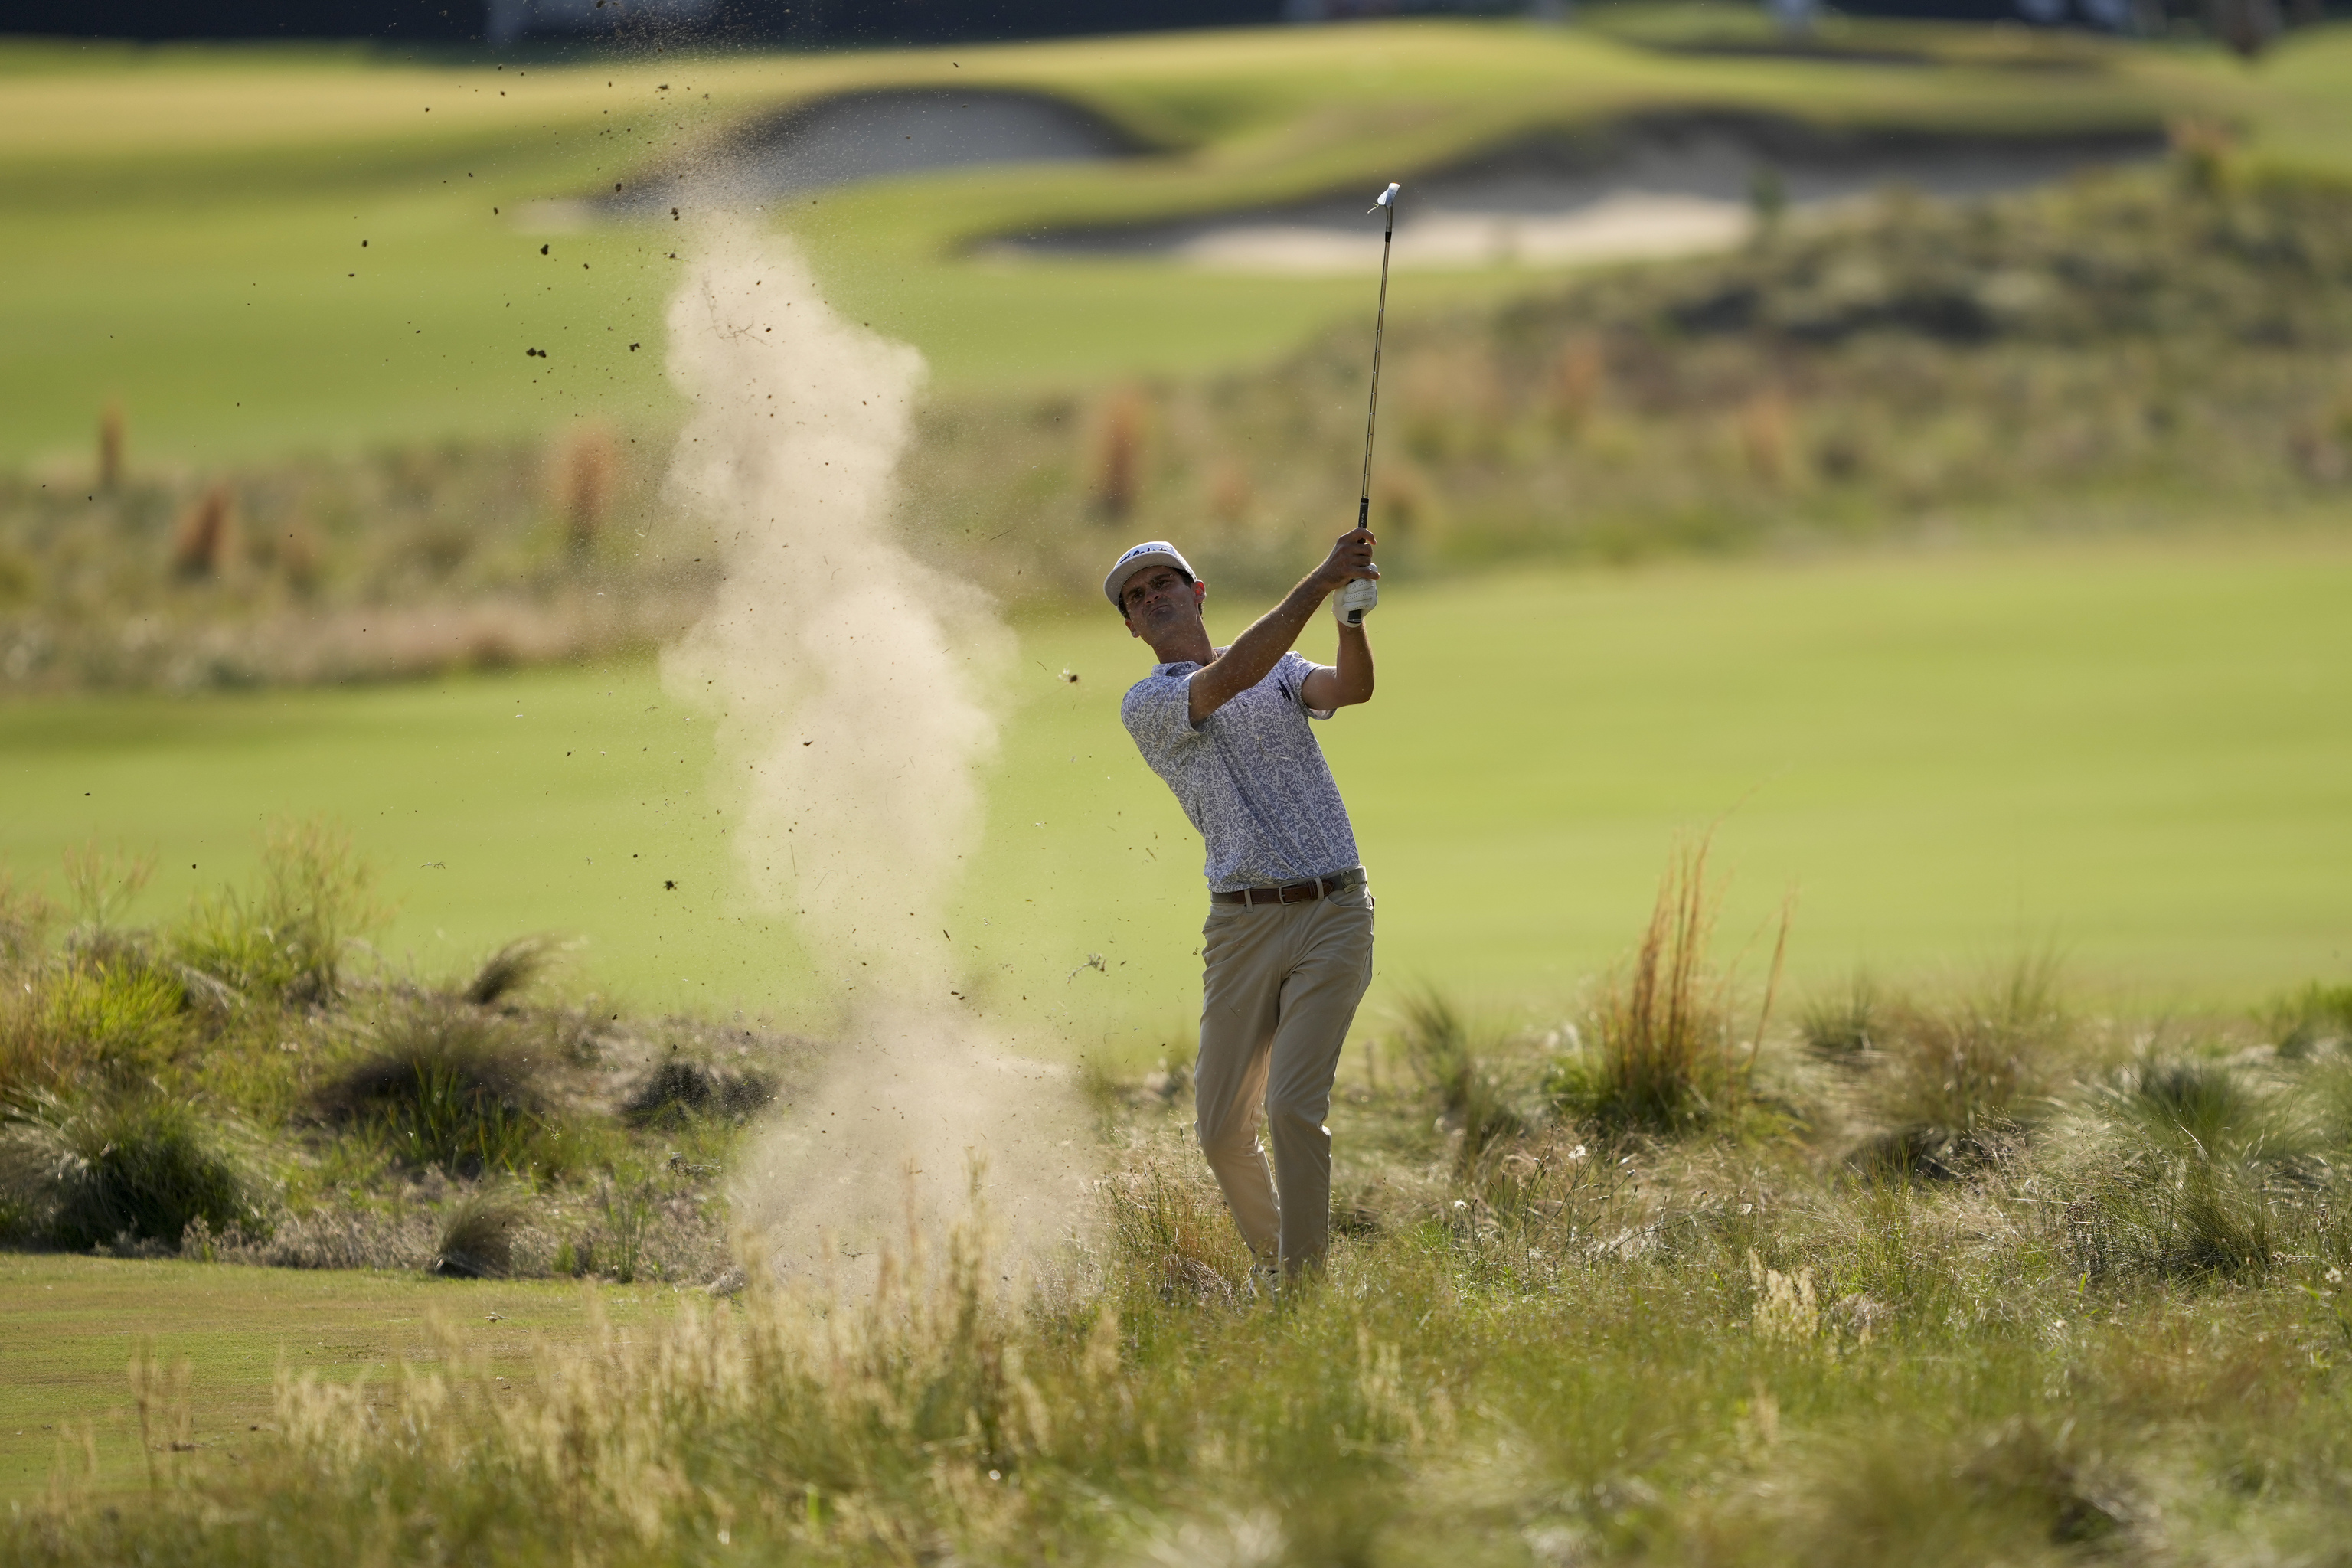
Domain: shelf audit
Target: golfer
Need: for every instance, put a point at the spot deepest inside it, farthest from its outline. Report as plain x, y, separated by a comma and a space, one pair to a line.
1287, 949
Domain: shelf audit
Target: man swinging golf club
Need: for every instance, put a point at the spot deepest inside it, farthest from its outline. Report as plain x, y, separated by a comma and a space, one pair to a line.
1288, 951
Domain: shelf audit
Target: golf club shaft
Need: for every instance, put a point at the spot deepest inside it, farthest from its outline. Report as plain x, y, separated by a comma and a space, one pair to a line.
1372, 414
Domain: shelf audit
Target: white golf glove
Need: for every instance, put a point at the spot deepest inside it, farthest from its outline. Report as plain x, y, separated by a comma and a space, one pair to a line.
1354, 602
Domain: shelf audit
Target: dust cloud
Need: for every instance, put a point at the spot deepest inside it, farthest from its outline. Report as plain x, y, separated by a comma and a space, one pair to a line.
850, 683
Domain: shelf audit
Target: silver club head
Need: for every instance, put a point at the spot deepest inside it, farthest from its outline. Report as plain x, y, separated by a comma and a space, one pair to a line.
1385, 199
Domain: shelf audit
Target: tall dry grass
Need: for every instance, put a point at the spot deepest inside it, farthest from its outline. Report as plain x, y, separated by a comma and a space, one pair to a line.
407, 561
1115, 462
204, 541
1662, 1028
587, 480
110, 442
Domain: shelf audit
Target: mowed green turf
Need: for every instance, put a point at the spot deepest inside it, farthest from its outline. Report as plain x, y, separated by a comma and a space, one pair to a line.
73, 1325
2133, 753
182, 228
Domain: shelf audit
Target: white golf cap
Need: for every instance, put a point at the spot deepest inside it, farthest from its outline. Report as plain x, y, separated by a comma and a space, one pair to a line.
1157, 553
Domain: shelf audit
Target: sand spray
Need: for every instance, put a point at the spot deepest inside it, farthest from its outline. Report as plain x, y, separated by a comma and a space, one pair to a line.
850, 683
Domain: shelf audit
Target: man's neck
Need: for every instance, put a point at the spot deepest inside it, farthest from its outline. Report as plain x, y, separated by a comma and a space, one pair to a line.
1190, 645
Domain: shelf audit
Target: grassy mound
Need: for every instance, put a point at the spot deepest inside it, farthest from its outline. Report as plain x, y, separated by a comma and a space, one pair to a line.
677, 1091
246, 1084
2114, 353
116, 1170
445, 1086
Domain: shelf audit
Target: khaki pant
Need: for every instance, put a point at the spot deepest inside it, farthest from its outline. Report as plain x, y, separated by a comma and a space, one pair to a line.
1279, 987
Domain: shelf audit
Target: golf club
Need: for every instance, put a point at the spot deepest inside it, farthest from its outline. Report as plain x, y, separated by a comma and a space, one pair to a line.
1356, 599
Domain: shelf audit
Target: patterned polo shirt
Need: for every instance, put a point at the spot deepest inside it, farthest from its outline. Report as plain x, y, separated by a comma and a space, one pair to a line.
1250, 775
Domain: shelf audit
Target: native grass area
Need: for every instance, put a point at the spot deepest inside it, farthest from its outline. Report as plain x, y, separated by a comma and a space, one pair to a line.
2159, 349
1958, 1275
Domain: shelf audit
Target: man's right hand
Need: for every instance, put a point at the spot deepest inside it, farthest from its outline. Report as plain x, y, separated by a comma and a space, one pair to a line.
1350, 561
1261, 647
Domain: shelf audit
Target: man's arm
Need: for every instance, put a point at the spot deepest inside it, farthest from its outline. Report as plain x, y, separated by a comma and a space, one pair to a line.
1260, 648
1349, 683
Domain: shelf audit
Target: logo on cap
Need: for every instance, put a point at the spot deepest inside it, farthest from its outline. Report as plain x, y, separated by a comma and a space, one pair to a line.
1135, 560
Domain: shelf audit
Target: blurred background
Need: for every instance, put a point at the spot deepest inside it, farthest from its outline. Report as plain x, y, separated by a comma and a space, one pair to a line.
1912, 442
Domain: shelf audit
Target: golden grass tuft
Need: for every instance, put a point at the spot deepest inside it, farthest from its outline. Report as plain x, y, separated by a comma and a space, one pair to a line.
1232, 498
205, 537
1664, 1025
1114, 468
1579, 375
1767, 438
588, 474
110, 448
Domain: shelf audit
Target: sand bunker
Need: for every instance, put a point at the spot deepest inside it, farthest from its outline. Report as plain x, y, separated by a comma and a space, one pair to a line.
1652, 189
1646, 189
875, 135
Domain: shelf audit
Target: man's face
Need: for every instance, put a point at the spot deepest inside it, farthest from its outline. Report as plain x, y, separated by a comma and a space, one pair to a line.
1156, 598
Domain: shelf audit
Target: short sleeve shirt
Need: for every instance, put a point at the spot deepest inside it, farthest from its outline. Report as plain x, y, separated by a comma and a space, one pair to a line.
1250, 775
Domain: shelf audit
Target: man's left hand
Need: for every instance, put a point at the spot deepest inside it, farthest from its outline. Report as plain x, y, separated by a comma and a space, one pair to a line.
1350, 561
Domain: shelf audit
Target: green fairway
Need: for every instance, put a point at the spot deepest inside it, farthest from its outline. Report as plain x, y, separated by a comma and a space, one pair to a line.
73, 1325
183, 226
2125, 752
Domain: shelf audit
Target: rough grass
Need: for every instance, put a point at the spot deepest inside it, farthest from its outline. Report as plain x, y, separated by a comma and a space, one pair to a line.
121, 1168
511, 970
1971, 1065
2312, 1019
285, 940
293, 1103
678, 1090
446, 1086
1705, 1340
1437, 1046
1708, 1349
74, 1319
477, 1235
318, 569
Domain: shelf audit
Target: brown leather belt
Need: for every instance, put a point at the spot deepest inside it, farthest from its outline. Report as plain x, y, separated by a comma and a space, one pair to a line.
1305, 892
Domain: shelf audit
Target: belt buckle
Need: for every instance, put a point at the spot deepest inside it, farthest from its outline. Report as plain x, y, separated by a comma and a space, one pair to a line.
1308, 892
